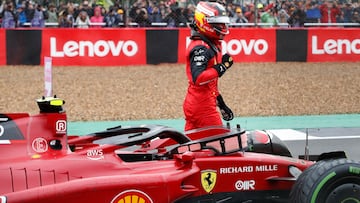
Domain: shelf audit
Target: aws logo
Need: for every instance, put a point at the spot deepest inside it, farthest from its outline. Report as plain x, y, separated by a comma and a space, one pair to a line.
208, 180
132, 196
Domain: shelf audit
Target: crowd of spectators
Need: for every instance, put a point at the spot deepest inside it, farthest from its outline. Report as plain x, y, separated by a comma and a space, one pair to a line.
172, 13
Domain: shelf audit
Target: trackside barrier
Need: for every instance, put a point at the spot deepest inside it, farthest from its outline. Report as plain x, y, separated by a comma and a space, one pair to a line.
140, 46
164, 24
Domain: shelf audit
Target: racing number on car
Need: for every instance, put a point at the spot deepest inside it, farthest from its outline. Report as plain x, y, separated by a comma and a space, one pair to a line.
208, 180
1, 130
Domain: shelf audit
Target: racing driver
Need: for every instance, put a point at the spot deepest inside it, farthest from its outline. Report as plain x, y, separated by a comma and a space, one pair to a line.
205, 64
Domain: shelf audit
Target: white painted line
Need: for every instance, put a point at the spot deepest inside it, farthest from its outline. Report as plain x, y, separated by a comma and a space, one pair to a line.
294, 135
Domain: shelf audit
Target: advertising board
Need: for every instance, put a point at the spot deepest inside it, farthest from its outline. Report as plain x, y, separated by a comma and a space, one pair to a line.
95, 47
331, 44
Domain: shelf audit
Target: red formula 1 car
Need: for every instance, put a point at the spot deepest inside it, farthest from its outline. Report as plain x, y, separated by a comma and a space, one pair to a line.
40, 163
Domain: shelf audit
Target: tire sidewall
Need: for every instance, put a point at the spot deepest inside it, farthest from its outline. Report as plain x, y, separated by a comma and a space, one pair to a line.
332, 175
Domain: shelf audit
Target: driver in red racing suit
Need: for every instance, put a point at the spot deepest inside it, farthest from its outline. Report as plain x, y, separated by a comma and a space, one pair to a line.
204, 66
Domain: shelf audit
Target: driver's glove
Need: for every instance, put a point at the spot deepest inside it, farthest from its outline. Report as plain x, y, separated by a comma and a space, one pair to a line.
225, 111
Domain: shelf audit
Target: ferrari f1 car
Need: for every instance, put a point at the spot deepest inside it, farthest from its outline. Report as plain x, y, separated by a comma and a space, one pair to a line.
40, 163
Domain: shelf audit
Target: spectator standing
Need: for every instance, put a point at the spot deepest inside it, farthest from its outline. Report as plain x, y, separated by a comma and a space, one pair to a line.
40, 15
66, 19
175, 18
230, 9
189, 13
84, 7
21, 15
97, 19
347, 11
239, 17
355, 18
313, 14
283, 18
122, 17
298, 16
269, 16
83, 20
9, 18
155, 16
356, 7
53, 16
112, 18
142, 19
250, 14
29, 11
136, 8
329, 12
163, 9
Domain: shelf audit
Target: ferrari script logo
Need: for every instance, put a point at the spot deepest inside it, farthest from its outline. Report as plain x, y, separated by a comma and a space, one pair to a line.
208, 180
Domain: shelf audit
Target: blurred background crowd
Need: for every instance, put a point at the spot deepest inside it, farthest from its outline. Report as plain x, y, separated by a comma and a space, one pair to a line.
175, 13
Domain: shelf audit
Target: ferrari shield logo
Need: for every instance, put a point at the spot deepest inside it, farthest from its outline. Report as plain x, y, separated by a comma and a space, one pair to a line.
208, 179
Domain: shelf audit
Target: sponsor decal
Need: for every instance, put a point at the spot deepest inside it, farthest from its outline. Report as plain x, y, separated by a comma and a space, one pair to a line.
199, 58
252, 46
105, 47
61, 126
100, 48
39, 145
354, 170
327, 45
240, 169
243, 45
2, 199
208, 180
266, 168
95, 154
199, 52
245, 185
132, 196
338, 46
248, 169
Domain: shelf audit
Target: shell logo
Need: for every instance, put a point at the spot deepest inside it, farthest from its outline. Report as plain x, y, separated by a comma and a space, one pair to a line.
132, 196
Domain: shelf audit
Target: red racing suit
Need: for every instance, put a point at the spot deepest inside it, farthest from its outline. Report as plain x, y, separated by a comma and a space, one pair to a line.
200, 107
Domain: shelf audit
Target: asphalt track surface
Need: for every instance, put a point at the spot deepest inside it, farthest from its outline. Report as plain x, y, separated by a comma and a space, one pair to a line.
340, 132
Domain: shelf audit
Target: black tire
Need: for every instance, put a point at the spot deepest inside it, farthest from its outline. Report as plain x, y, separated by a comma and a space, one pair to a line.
328, 181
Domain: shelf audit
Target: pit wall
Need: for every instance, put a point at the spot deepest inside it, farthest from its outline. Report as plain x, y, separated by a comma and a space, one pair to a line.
140, 46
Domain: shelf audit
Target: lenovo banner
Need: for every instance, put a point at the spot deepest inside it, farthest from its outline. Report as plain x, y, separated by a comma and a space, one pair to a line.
2, 48
333, 45
94, 47
245, 45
